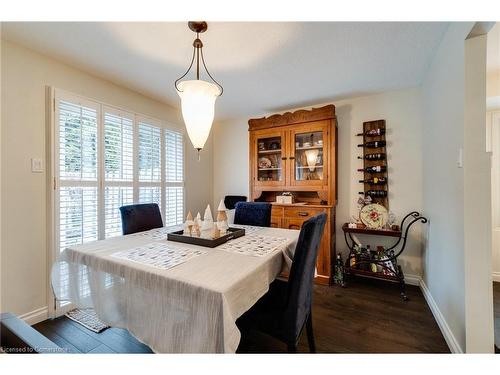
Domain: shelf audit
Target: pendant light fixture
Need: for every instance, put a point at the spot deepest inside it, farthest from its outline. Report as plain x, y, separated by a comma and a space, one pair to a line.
198, 96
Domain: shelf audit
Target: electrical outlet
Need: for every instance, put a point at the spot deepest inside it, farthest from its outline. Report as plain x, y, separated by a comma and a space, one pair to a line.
36, 165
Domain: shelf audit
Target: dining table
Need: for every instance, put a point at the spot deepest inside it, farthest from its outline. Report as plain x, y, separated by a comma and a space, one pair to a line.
174, 297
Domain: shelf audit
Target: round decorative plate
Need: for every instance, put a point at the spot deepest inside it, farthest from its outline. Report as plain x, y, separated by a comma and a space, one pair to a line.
264, 163
373, 215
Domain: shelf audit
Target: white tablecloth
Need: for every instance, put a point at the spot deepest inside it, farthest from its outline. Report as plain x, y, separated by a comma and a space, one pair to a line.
190, 308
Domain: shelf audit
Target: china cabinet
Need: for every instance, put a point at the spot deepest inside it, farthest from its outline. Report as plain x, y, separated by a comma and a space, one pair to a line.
295, 154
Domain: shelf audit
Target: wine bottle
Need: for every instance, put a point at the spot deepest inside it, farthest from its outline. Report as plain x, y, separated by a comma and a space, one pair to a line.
374, 181
373, 132
374, 169
375, 193
376, 156
374, 144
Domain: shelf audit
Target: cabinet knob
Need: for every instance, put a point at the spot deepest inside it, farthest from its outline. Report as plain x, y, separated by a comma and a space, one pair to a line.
292, 157
302, 213
283, 158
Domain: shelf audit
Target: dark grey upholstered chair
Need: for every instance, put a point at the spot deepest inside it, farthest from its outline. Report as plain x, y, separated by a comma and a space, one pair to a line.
16, 336
140, 217
286, 308
231, 200
253, 213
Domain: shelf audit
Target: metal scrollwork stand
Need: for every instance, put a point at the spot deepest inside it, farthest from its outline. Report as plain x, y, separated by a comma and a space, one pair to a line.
390, 254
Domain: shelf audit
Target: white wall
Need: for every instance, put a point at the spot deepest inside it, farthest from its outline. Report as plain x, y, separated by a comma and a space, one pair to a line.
25, 74
402, 112
443, 98
454, 197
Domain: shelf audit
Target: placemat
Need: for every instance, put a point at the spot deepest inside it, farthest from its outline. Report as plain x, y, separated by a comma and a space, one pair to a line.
159, 255
249, 229
254, 245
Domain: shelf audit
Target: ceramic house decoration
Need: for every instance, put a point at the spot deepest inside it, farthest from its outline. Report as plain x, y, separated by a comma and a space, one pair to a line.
207, 227
195, 231
222, 218
188, 225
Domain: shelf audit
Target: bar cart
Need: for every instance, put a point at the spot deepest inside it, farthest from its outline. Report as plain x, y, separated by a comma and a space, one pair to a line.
387, 268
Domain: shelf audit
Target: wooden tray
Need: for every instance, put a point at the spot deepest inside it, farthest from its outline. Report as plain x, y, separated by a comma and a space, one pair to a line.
179, 237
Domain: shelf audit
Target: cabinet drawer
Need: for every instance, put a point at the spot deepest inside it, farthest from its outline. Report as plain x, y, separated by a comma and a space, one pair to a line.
275, 222
302, 212
295, 224
276, 211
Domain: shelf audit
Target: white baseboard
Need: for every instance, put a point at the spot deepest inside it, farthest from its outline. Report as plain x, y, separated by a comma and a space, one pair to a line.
412, 280
441, 321
496, 276
35, 316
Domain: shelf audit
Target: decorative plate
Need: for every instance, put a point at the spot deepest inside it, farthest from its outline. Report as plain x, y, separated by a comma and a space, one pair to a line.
264, 163
374, 216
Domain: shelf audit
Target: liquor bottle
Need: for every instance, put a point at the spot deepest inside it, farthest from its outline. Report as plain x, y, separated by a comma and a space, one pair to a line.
373, 132
376, 156
374, 181
374, 144
339, 271
374, 169
375, 193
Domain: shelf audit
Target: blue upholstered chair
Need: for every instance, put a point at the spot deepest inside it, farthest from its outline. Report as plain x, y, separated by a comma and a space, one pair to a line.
231, 200
286, 308
253, 213
140, 217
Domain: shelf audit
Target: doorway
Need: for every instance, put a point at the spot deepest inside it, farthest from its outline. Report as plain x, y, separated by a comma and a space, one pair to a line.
493, 123
493, 145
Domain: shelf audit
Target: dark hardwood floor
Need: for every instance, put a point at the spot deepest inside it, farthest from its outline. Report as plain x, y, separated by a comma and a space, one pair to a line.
365, 317
77, 339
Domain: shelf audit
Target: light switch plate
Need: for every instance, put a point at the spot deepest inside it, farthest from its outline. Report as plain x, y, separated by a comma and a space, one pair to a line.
36, 165
460, 158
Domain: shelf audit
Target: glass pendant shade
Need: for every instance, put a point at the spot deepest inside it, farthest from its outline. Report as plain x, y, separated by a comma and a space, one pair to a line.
198, 109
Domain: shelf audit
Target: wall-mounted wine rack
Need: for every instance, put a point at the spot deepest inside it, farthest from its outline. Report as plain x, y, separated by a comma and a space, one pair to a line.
375, 180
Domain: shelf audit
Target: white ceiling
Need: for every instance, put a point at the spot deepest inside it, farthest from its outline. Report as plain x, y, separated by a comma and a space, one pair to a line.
264, 67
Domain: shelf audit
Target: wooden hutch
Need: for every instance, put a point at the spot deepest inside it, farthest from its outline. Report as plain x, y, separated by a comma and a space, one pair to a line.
297, 153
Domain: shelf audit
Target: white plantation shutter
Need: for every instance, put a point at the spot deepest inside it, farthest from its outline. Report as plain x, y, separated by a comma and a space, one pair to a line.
77, 215
77, 142
149, 153
115, 197
118, 146
77, 174
174, 156
174, 178
174, 205
76, 178
149, 161
150, 195
118, 167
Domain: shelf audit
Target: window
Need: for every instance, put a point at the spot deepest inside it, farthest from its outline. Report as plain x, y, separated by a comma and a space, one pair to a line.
107, 158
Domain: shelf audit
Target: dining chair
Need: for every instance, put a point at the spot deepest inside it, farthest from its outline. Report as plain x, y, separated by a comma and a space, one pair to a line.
140, 217
286, 308
253, 213
231, 200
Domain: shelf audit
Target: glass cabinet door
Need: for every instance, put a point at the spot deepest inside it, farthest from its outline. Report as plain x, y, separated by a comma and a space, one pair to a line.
269, 161
309, 156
